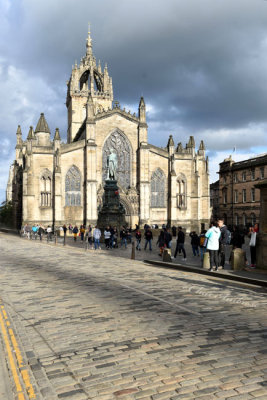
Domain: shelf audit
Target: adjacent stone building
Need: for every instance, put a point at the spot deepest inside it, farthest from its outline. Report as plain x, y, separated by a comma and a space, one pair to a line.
52, 182
239, 197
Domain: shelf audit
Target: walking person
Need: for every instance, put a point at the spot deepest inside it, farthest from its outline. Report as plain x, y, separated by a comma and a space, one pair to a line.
41, 231
123, 236
89, 235
253, 231
161, 242
75, 231
180, 243
49, 233
213, 236
149, 237
65, 233
97, 236
194, 243
107, 235
224, 240
82, 232
138, 237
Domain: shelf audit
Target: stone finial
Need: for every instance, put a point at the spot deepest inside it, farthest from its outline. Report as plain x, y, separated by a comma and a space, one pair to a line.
170, 142
179, 148
202, 146
42, 125
191, 143
142, 110
99, 67
30, 134
19, 130
89, 42
57, 135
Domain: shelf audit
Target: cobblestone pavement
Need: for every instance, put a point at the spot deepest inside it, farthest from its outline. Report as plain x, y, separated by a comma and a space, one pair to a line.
91, 326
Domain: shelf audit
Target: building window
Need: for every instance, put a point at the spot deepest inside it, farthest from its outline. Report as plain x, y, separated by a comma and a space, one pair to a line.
236, 219
181, 192
262, 172
158, 183
46, 189
235, 178
244, 176
253, 194
253, 174
244, 195
244, 219
235, 196
224, 196
73, 187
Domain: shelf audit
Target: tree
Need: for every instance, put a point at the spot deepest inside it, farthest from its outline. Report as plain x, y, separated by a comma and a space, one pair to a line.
6, 211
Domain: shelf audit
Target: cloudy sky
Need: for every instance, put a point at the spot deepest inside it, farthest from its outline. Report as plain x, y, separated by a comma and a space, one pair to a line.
201, 66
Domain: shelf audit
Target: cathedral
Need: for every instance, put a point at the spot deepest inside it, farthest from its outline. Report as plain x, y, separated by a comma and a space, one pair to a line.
54, 183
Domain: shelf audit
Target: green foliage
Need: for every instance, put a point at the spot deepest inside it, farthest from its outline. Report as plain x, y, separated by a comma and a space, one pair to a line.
6, 209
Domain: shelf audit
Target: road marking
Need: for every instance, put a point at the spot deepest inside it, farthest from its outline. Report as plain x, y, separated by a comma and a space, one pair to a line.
8, 335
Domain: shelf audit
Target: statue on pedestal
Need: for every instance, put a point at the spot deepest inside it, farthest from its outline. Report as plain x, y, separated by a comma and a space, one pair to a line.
112, 163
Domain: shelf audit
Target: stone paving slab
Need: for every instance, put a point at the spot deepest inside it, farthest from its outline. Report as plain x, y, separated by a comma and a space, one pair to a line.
97, 327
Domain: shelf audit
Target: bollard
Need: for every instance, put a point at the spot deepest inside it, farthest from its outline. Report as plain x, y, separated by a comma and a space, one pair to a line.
167, 255
55, 238
64, 240
206, 260
238, 259
133, 251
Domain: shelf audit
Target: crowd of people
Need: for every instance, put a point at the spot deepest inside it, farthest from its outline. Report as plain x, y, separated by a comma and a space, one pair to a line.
214, 240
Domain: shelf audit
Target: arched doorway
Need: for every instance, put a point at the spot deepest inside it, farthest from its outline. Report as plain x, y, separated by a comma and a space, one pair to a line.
128, 210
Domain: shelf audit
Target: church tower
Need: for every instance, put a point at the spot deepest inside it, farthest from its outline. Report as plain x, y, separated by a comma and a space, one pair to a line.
87, 79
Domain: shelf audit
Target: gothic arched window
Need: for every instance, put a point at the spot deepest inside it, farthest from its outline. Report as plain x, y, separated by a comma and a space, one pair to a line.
158, 183
181, 191
46, 189
73, 187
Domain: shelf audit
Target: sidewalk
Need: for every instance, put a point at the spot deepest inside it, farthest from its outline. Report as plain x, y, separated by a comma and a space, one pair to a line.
5, 380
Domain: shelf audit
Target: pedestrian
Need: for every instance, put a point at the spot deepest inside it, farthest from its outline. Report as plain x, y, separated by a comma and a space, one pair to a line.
49, 233
213, 236
174, 231
82, 232
180, 243
123, 236
107, 235
253, 231
168, 238
237, 238
41, 231
202, 243
65, 233
224, 240
149, 237
194, 243
97, 236
138, 237
89, 235
75, 231
161, 242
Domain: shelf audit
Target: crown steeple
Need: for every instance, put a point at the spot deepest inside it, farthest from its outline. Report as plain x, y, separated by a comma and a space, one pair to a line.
89, 44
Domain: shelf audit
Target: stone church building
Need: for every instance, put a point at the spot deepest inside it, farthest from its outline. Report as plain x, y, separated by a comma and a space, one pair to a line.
52, 182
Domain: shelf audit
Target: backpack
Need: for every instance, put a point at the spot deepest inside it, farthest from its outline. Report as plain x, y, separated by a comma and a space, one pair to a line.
202, 240
228, 236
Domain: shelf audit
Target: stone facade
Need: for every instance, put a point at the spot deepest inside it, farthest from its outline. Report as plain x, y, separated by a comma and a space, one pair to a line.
239, 197
63, 182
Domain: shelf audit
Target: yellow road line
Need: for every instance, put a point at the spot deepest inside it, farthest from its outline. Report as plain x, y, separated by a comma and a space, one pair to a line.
11, 360
21, 365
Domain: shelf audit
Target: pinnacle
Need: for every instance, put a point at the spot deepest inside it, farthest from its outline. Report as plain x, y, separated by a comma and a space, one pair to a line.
57, 135
42, 125
19, 130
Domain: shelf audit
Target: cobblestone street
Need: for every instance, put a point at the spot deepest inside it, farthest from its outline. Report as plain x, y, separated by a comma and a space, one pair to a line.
91, 326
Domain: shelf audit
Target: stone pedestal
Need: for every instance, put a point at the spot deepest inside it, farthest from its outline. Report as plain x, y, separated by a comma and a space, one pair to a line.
261, 242
112, 212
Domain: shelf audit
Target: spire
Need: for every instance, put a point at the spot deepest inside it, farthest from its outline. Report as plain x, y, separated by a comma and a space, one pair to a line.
42, 125
19, 130
89, 49
57, 135
30, 134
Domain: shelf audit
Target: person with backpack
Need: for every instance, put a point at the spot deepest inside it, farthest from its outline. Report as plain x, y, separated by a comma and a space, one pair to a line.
202, 243
213, 236
75, 232
225, 239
